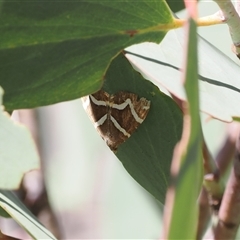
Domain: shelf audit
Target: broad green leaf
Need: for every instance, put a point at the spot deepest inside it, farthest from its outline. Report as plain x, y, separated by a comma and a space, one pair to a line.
176, 5
53, 51
18, 154
11, 204
147, 154
187, 182
219, 84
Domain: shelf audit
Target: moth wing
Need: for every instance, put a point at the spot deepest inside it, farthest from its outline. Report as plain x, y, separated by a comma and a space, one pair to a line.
132, 112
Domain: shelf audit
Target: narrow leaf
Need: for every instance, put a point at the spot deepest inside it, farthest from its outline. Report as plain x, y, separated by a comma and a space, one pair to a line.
11, 204
187, 161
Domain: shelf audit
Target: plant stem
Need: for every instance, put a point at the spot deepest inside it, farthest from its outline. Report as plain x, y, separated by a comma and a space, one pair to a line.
229, 218
233, 21
210, 20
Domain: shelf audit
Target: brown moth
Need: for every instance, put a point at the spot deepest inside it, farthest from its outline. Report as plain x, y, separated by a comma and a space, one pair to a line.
116, 116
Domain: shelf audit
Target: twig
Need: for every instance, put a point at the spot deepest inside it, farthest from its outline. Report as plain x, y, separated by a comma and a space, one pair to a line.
213, 189
204, 213
233, 21
213, 181
229, 218
209, 193
216, 18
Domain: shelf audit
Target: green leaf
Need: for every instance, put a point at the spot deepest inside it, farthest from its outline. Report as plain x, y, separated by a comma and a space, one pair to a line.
147, 154
11, 204
218, 85
18, 152
176, 5
4, 214
187, 182
53, 51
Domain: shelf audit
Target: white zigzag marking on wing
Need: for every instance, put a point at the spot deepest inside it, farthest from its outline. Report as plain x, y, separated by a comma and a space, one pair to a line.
100, 121
98, 102
116, 124
129, 102
116, 106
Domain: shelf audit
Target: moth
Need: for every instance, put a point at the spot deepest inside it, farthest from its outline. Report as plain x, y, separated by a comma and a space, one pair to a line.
116, 116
